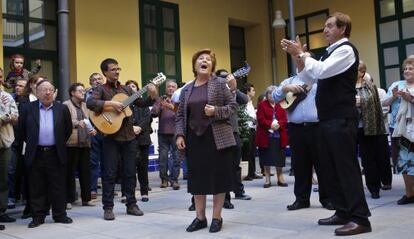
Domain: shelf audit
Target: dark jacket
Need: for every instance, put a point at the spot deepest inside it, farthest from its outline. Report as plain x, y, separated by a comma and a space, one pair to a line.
28, 128
143, 119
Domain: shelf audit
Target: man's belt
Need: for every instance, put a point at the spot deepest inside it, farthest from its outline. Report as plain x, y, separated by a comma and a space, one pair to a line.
46, 148
407, 143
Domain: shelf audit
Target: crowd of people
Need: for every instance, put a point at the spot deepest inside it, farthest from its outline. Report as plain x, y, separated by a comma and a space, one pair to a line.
211, 125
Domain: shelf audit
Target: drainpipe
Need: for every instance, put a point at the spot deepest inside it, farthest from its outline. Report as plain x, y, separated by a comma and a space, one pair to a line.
63, 49
292, 31
272, 40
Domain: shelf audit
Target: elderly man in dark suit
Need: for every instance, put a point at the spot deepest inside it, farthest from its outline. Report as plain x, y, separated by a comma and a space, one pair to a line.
45, 125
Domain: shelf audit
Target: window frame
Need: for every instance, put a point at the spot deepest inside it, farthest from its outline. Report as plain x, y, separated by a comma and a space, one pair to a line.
160, 50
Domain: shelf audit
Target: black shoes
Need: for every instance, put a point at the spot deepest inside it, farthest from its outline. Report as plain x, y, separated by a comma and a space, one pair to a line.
267, 185
405, 200
192, 207
242, 196
333, 220
64, 220
6, 218
36, 222
144, 198
197, 224
2, 227
298, 205
216, 225
375, 195
351, 228
247, 178
280, 184
228, 205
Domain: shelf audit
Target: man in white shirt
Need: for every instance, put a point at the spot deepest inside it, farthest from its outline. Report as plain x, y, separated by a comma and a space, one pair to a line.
336, 74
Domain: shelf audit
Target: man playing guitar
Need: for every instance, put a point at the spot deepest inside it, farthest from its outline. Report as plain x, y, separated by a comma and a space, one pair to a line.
120, 144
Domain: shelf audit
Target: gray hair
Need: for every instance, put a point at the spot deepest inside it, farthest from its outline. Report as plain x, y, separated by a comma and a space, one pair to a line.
270, 89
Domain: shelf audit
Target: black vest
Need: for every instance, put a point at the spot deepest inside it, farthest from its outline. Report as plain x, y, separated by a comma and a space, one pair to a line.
335, 96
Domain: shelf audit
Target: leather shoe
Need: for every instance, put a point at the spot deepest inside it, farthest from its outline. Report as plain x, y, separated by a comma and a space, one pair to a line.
192, 207
247, 178
228, 205
144, 198
280, 184
328, 206
256, 176
36, 222
6, 218
216, 225
405, 200
333, 220
242, 196
351, 228
267, 185
375, 195
64, 220
196, 225
109, 214
2, 227
298, 205
134, 210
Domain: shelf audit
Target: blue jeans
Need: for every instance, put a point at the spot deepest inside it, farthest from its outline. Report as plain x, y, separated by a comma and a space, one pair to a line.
95, 158
113, 151
166, 144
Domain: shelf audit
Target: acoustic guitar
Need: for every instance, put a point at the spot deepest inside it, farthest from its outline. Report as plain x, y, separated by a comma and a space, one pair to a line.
109, 121
293, 99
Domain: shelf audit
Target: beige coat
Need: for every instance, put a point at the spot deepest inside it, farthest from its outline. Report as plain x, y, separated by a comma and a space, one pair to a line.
73, 139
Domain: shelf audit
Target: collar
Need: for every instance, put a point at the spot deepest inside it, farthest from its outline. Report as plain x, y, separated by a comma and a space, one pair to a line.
330, 48
41, 106
113, 85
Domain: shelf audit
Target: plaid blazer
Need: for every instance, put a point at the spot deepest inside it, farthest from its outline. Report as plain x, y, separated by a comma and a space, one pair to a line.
225, 104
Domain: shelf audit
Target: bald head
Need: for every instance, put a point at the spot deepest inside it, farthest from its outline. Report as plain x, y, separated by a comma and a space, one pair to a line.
45, 92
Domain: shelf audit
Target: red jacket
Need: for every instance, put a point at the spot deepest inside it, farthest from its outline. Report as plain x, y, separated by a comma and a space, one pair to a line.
264, 120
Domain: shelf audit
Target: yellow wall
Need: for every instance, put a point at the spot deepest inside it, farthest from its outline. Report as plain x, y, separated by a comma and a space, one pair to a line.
363, 33
204, 24
104, 28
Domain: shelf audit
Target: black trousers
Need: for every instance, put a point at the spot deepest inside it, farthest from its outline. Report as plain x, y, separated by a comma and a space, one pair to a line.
238, 185
303, 143
375, 159
78, 162
249, 152
340, 169
47, 177
142, 168
113, 153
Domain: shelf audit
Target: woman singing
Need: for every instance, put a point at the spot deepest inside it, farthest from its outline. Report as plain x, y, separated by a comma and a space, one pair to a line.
205, 137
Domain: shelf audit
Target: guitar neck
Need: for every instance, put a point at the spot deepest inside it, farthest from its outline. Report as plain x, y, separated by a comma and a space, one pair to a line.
135, 96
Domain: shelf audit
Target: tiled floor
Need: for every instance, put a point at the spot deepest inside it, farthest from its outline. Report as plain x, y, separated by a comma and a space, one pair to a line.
265, 216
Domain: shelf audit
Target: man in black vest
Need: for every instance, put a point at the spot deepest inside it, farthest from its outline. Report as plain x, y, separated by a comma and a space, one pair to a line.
336, 73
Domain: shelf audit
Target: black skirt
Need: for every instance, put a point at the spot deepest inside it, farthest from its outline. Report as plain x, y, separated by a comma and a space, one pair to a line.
210, 171
273, 155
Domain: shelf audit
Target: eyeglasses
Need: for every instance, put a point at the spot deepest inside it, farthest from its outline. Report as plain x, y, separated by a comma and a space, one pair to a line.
51, 90
115, 69
81, 91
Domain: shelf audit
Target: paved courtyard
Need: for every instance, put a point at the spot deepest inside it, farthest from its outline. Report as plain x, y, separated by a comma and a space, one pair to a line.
265, 216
